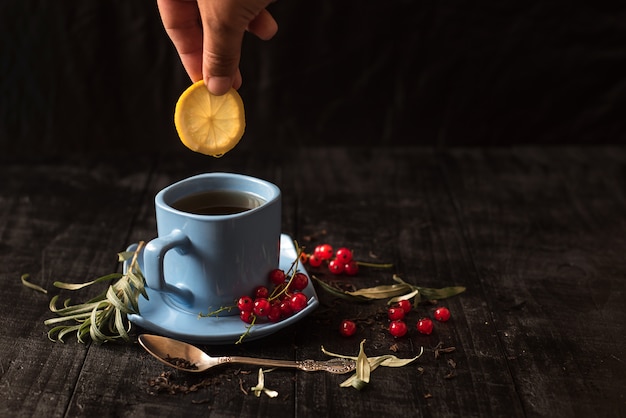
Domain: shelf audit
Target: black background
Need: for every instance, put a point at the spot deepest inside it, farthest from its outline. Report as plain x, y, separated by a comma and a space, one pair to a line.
102, 76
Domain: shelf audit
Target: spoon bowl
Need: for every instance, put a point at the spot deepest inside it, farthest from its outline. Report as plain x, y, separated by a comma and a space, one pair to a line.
189, 358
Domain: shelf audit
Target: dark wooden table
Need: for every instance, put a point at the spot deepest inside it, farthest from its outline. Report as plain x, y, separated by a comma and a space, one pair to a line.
538, 237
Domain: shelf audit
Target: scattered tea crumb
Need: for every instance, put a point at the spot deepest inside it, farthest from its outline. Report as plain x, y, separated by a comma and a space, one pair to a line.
450, 374
181, 363
394, 348
163, 383
201, 401
440, 349
245, 392
428, 395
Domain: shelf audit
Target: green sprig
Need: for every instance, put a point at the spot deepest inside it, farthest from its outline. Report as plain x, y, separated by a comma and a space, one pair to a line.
103, 318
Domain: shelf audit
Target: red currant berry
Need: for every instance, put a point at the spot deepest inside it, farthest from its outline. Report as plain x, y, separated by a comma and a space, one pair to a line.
324, 252
425, 326
245, 304
277, 276
285, 309
261, 292
405, 304
274, 314
298, 302
304, 257
315, 261
300, 282
344, 255
398, 328
395, 314
351, 268
347, 328
442, 314
246, 316
261, 307
335, 267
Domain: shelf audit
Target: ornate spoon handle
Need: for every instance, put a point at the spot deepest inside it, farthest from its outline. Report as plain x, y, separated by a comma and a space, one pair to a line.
336, 366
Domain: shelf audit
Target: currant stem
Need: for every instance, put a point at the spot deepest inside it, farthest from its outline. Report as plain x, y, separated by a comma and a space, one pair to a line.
216, 312
291, 272
248, 328
375, 265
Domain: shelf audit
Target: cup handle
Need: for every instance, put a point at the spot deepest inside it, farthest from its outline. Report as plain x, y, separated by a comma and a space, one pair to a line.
153, 256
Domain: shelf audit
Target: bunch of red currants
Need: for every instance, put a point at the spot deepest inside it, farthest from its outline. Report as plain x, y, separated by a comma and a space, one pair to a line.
397, 325
283, 301
338, 262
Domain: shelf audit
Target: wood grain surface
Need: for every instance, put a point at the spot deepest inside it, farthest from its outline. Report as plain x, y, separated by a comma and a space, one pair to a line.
537, 235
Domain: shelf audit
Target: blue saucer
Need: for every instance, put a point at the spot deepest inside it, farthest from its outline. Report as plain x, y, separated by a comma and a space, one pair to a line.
162, 318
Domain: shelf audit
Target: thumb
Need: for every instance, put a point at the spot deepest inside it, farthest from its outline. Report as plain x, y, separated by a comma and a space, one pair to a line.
220, 59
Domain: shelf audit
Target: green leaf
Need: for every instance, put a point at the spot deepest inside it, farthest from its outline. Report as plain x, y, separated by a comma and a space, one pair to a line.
125, 255
78, 286
30, 285
116, 302
95, 333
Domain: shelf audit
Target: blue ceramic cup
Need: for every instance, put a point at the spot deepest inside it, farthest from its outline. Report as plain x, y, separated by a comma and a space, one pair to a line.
218, 238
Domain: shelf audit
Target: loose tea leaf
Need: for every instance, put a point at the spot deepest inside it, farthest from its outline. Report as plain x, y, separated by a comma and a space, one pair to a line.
182, 363
103, 318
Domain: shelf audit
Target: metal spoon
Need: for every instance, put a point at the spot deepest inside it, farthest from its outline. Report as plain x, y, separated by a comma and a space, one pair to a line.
189, 358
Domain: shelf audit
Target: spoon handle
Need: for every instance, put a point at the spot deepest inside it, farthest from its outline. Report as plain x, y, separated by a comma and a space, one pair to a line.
335, 366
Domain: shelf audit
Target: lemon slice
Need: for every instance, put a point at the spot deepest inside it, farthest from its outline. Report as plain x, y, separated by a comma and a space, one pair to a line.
209, 124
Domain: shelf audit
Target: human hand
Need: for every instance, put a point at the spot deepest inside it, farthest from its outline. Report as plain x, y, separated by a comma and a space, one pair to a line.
208, 34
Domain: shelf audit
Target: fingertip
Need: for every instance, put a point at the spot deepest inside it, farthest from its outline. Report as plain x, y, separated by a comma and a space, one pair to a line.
219, 85
264, 26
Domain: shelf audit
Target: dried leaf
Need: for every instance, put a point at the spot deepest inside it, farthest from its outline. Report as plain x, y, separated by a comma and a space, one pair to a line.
360, 379
443, 293
404, 297
429, 292
363, 369
260, 387
335, 291
382, 292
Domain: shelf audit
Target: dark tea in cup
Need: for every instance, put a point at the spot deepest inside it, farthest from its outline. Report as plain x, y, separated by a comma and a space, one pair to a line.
218, 202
